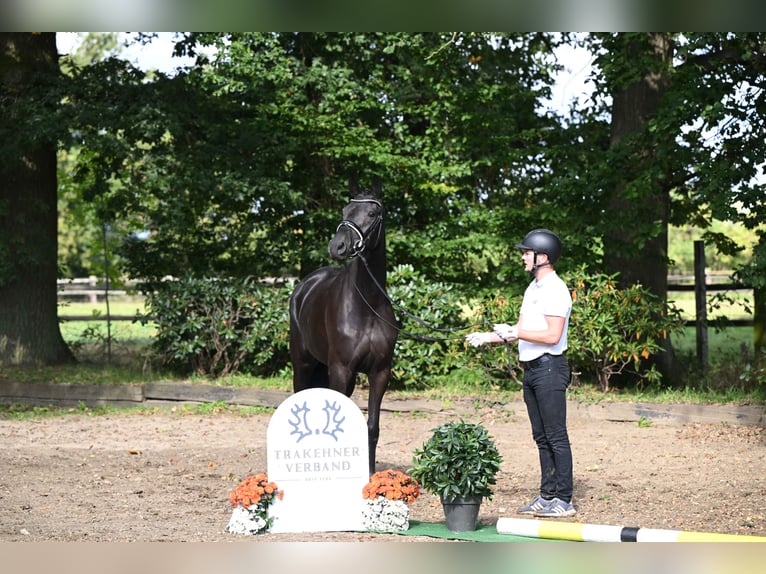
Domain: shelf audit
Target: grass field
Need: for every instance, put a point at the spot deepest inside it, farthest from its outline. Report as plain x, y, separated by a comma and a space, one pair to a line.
96, 328
118, 343
729, 304
725, 342
127, 342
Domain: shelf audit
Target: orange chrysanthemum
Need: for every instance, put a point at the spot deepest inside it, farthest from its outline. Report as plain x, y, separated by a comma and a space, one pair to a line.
393, 485
254, 490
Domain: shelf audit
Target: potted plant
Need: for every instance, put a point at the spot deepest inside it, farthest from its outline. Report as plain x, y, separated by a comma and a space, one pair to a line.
251, 500
387, 498
459, 463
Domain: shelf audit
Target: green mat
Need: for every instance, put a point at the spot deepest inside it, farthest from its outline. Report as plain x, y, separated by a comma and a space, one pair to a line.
483, 533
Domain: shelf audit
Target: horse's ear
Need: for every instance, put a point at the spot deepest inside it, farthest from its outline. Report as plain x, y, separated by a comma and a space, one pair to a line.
377, 190
353, 186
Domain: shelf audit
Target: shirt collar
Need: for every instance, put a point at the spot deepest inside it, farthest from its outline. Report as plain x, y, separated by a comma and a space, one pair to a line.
539, 282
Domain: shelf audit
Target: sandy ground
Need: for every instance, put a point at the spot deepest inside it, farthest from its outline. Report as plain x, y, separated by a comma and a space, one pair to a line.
166, 476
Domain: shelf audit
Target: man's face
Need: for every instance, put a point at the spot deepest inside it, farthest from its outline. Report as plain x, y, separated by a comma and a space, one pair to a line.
528, 256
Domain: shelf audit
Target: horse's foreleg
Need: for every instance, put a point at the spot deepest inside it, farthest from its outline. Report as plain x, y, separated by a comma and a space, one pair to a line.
378, 385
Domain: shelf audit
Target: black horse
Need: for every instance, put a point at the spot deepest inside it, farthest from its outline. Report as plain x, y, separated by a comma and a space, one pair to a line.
341, 320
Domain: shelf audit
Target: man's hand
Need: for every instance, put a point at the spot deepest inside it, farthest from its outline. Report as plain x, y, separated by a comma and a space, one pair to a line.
478, 339
506, 332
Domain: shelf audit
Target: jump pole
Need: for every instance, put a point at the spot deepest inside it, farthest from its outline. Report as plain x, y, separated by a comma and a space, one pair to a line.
555, 530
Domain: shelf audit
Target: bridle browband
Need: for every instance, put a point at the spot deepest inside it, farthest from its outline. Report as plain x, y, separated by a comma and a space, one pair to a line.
361, 243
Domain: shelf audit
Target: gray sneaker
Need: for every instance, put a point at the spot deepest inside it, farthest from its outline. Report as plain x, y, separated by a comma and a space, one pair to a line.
557, 508
537, 504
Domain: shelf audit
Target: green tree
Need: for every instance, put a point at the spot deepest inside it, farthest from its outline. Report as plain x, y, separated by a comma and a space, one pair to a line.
686, 124
239, 164
81, 232
29, 94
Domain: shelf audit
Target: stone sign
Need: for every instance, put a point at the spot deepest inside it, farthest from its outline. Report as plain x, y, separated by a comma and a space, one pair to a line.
318, 456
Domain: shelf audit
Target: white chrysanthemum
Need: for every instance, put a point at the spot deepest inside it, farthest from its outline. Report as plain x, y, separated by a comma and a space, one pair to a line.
384, 515
247, 520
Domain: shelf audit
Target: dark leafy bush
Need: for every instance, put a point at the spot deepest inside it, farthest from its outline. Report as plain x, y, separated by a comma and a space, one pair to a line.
614, 331
611, 331
498, 363
216, 327
459, 459
432, 328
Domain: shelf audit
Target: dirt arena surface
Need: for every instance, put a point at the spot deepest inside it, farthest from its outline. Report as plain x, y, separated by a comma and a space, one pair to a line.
166, 476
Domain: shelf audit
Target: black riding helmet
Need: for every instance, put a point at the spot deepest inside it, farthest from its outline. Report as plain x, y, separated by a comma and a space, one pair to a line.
542, 241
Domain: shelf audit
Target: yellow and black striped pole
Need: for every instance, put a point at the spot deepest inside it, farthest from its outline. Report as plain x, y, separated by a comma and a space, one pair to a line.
555, 530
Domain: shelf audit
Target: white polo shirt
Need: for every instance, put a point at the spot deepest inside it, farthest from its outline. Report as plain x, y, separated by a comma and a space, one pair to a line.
549, 296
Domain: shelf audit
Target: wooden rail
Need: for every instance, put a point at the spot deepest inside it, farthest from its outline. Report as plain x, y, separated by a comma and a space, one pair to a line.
102, 317
701, 288
91, 287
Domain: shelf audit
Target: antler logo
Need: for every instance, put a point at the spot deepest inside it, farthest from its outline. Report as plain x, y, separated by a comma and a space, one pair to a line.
332, 412
300, 424
333, 423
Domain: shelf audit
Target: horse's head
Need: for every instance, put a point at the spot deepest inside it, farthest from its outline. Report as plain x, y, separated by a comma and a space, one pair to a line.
362, 225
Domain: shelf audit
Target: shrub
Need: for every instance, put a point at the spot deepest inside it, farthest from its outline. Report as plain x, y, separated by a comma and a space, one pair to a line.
612, 330
216, 327
498, 363
430, 317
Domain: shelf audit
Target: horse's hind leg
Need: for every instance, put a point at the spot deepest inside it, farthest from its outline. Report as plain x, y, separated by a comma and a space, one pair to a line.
320, 377
308, 373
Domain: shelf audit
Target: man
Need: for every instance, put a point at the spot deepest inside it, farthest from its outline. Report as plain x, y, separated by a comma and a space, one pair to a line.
542, 336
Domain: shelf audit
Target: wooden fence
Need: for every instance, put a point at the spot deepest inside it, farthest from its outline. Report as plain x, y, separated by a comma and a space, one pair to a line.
92, 289
700, 286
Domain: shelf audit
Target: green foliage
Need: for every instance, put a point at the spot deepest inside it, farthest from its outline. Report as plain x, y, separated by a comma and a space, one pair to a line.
459, 459
253, 145
754, 372
613, 330
432, 327
240, 162
499, 364
215, 327
223, 327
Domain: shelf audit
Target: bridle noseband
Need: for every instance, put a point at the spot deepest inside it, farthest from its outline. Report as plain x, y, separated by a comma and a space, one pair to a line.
361, 243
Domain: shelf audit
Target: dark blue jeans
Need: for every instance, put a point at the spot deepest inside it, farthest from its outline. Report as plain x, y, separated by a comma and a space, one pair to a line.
545, 389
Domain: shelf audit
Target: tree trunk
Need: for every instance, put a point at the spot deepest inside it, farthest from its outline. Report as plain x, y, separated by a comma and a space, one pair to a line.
637, 248
29, 330
759, 323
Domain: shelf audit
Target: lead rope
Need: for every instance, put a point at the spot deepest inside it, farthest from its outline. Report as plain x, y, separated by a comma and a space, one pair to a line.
404, 311
427, 338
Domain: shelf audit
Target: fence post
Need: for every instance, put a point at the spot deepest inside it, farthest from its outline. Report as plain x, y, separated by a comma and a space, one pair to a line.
92, 282
700, 298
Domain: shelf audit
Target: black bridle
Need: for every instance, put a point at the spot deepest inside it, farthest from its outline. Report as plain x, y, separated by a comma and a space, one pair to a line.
360, 244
